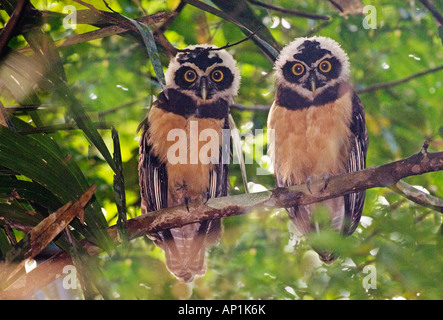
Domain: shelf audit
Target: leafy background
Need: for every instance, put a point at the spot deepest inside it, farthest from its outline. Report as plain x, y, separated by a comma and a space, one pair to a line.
111, 82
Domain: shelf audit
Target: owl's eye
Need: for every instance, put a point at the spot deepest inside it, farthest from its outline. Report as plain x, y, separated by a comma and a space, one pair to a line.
325, 66
190, 76
217, 75
298, 69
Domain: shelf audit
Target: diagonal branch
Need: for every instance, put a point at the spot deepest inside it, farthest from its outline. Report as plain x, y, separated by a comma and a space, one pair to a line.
382, 176
437, 15
113, 29
418, 196
8, 31
385, 85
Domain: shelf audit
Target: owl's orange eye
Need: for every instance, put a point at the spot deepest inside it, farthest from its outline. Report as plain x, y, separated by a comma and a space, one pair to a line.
298, 69
217, 76
190, 76
325, 66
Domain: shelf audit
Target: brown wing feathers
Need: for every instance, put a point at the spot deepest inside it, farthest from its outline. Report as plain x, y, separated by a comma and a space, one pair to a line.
357, 161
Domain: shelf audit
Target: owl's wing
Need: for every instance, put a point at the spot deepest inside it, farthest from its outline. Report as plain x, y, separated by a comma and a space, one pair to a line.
357, 161
236, 141
219, 184
219, 180
153, 177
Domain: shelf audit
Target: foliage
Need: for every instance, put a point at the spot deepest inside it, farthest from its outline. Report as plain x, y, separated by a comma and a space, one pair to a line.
110, 83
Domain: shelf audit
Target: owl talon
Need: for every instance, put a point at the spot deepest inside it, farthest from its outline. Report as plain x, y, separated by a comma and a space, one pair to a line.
326, 181
207, 196
187, 200
181, 186
308, 184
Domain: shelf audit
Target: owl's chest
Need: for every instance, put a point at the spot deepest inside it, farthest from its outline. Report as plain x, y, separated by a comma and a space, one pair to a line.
189, 147
310, 141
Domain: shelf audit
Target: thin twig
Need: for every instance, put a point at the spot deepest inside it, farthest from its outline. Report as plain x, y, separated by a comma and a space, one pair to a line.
228, 45
159, 36
109, 16
291, 12
8, 31
110, 30
61, 127
437, 15
397, 82
122, 106
336, 5
137, 2
241, 107
418, 196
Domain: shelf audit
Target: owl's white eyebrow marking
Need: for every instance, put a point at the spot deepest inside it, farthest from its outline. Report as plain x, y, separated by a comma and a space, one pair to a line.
326, 56
302, 62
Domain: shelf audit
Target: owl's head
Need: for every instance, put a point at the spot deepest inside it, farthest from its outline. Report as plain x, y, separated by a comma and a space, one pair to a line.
311, 65
204, 73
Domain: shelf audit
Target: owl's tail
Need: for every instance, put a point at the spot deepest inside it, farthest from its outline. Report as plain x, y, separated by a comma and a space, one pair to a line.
185, 248
303, 220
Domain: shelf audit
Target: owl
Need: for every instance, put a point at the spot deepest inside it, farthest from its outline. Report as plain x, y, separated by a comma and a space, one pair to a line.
318, 127
201, 83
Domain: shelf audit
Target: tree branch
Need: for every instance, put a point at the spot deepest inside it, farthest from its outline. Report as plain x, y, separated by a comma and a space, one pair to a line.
418, 196
241, 107
387, 175
385, 85
382, 176
123, 22
8, 31
336, 5
113, 29
437, 15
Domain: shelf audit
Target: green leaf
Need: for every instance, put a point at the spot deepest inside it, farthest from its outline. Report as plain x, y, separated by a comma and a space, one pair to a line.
236, 141
5, 245
13, 211
30, 191
151, 47
47, 59
39, 158
84, 122
29, 75
149, 42
119, 187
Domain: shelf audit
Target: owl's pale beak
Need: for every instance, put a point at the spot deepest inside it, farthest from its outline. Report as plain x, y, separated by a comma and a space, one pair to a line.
204, 88
312, 81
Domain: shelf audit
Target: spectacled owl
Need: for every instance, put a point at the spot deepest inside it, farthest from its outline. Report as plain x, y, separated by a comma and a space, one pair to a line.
319, 130
201, 83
